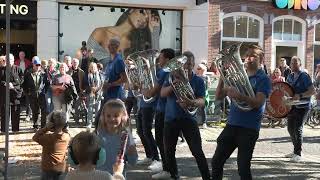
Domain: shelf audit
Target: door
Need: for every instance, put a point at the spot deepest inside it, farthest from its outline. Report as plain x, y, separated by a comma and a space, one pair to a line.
285, 52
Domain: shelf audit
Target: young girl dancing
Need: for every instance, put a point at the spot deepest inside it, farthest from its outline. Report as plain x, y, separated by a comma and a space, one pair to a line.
111, 130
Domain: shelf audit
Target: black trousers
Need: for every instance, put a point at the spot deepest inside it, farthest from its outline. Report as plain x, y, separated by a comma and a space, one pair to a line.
296, 119
144, 126
38, 107
191, 133
233, 137
131, 104
15, 117
158, 127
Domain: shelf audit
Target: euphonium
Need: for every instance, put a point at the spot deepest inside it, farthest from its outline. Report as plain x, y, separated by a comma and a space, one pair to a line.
182, 89
140, 69
233, 73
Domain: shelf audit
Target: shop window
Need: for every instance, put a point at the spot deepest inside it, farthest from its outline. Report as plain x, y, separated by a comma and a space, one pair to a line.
287, 29
241, 26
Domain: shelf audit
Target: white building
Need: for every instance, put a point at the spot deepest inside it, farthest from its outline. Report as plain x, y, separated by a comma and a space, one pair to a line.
55, 25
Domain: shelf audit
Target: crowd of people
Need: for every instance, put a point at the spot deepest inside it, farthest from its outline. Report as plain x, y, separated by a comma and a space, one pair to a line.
52, 90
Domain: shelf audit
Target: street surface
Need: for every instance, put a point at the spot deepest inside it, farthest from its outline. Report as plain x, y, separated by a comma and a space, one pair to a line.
267, 163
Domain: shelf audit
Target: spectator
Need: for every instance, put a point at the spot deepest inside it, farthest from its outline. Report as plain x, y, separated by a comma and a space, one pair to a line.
276, 76
93, 92
284, 68
35, 85
86, 152
54, 140
59, 84
78, 77
23, 62
16, 79
201, 70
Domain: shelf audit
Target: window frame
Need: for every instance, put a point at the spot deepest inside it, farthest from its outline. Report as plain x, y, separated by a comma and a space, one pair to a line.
258, 40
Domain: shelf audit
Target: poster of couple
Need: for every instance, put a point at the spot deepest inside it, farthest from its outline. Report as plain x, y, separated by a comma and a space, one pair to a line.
137, 29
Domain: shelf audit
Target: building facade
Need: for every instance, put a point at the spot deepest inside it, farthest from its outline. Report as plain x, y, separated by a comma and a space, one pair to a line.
55, 24
281, 31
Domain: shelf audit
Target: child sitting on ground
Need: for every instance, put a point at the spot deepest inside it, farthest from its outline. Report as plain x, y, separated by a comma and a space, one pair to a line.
87, 154
54, 140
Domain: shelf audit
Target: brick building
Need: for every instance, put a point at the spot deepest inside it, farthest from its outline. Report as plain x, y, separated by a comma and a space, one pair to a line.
281, 32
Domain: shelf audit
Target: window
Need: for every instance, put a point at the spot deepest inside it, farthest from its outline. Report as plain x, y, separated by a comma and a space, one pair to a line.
241, 26
316, 48
287, 29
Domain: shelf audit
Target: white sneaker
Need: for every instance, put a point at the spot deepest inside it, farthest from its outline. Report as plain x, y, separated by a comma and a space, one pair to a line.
290, 155
154, 162
295, 158
156, 168
162, 175
204, 126
144, 161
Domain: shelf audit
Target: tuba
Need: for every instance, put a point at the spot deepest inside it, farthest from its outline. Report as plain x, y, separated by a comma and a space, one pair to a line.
182, 89
233, 73
140, 68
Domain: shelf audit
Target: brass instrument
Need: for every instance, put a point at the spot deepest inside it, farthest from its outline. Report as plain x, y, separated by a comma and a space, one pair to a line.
182, 88
233, 73
140, 68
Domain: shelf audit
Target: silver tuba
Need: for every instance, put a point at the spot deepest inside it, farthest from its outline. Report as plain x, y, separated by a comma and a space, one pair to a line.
233, 73
140, 68
182, 89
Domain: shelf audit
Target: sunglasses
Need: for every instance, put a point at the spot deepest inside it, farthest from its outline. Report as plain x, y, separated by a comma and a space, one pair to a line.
38, 64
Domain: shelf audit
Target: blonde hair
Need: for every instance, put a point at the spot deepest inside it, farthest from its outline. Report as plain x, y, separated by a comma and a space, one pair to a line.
44, 62
91, 66
85, 146
277, 70
118, 105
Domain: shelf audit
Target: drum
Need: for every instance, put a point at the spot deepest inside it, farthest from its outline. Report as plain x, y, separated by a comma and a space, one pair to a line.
276, 104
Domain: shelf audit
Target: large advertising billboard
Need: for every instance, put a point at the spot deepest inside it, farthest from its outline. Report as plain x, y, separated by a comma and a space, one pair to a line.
137, 29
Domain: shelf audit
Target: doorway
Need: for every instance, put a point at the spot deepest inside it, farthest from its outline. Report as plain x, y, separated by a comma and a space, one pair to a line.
285, 52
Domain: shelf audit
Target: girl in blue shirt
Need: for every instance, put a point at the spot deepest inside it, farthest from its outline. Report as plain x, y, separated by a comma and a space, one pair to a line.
112, 122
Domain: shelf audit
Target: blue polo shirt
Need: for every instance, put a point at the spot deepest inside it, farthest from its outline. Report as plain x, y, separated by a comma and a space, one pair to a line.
173, 110
260, 82
113, 71
300, 84
161, 77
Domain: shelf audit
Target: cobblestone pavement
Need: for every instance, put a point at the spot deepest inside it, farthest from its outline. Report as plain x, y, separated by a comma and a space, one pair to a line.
267, 163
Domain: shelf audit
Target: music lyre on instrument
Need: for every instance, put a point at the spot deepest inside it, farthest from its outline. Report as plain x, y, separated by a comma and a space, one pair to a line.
140, 68
123, 145
182, 88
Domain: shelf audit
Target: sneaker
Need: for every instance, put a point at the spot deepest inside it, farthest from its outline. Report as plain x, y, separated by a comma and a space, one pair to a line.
89, 126
204, 126
144, 161
154, 162
162, 175
295, 158
156, 167
290, 155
